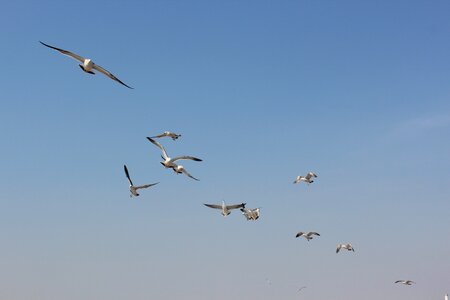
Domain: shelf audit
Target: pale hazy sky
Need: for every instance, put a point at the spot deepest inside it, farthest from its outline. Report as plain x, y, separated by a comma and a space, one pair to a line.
262, 91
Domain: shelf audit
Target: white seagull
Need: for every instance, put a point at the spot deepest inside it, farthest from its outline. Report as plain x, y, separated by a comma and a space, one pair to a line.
405, 282
87, 64
309, 178
225, 208
174, 136
307, 235
251, 214
169, 163
133, 189
349, 247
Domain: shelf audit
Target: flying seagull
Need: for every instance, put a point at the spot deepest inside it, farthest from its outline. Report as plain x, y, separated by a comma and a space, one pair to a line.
251, 214
169, 163
226, 209
133, 189
307, 235
309, 178
349, 247
87, 65
405, 282
174, 136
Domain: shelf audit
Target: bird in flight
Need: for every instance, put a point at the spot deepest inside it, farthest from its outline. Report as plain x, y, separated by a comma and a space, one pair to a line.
307, 235
405, 282
134, 189
251, 214
87, 65
348, 247
308, 178
174, 136
226, 209
169, 163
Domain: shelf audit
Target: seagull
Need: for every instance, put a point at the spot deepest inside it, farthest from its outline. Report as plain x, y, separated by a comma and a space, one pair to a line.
405, 282
349, 247
174, 136
133, 189
169, 163
225, 208
251, 214
307, 235
446, 297
87, 64
308, 178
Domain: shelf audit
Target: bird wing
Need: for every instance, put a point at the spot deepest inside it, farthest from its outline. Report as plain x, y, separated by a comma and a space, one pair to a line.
185, 157
128, 175
213, 206
299, 234
160, 135
398, 281
312, 174
159, 146
107, 73
242, 205
313, 233
145, 186
338, 248
65, 52
189, 175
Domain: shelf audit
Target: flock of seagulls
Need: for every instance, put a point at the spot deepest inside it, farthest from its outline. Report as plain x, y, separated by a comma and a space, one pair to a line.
88, 66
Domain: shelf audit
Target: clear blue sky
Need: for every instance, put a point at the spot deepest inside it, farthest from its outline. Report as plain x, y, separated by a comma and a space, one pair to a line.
262, 91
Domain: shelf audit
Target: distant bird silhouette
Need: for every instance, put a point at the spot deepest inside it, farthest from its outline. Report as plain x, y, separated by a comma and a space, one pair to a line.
308, 236
348, 247
308, 178
405, 282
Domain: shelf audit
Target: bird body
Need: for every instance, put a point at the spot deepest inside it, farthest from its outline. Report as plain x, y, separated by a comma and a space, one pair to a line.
225, 209
307, 235
348, 247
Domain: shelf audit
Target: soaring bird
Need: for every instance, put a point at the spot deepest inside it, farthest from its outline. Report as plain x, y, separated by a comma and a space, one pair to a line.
308, 178
169, 163
349, 247
251, 214
226, 209
405, 282
87, 65
133, 189
174, 136
307, 235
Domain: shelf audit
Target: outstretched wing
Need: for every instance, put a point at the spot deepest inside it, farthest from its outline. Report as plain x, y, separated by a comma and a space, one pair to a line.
313, 233
213, 206
107, 73
159, 136
164, 153
189, 175
186, 157
242, 205
299, 234
128, 175
145, 186
65, 52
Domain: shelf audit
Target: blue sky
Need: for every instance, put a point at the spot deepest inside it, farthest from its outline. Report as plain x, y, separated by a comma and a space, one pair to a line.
262, 91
